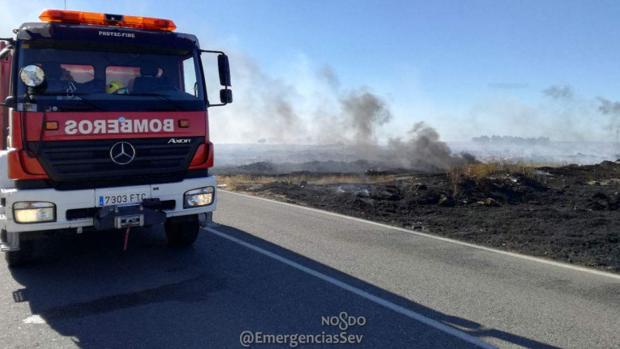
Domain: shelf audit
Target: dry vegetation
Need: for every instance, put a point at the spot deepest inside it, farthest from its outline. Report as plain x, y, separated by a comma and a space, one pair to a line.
243, 181
570, 213
481, 170
478, 172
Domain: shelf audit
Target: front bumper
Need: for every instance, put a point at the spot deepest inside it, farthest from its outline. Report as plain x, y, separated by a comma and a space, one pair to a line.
85, 199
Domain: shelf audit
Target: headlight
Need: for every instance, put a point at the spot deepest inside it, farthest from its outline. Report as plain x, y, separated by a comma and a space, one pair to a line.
198, 197
32, 75
34, 212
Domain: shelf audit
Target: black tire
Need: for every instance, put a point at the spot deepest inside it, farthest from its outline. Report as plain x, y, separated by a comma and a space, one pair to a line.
22, 256
182, 231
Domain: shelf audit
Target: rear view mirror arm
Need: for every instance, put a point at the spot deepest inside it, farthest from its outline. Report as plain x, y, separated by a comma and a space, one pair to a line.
224, 74
7, 49
206, 51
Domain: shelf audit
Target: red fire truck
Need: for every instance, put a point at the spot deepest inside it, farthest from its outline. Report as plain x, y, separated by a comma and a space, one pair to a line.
105, 126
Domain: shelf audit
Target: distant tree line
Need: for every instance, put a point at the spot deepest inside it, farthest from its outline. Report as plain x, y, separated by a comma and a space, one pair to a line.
512, 140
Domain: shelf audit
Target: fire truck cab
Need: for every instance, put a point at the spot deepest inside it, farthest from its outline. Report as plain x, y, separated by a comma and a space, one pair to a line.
104, 126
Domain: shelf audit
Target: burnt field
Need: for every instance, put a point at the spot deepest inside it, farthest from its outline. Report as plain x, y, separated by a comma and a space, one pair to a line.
569, 213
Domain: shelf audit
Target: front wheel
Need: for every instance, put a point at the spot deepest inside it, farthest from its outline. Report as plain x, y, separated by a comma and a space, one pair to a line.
182, 231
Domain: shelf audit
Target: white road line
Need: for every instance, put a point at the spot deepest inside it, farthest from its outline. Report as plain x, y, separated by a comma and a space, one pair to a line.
462, 243
375, 299
34, 319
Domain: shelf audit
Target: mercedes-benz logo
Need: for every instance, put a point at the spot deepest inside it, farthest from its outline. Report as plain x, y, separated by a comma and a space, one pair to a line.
122, 153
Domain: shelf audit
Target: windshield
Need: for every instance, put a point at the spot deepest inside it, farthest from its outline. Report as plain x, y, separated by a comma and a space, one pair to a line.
114, 80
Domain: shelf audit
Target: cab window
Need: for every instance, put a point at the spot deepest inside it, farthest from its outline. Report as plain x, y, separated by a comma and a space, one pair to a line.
189, 77
121, 80
78, 73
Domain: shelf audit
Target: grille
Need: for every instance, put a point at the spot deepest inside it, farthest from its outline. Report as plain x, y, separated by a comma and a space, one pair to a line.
88, 163
90, 212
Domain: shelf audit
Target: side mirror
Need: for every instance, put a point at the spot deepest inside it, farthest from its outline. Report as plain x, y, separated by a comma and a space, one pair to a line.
224, 70
226, 96
9, 102
5, 51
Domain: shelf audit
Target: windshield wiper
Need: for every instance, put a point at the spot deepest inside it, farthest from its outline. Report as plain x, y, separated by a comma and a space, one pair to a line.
162, 97
71, 98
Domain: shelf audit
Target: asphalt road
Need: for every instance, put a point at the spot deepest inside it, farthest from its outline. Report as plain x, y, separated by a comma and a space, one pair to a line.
277, 269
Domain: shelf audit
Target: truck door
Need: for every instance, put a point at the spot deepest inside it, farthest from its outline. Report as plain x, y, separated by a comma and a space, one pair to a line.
5, 78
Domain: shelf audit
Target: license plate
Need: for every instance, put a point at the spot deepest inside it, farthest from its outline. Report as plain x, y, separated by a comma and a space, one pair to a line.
129, 221
115, 199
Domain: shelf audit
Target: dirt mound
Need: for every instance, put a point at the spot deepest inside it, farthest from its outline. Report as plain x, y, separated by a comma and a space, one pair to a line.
586, 173
508, 189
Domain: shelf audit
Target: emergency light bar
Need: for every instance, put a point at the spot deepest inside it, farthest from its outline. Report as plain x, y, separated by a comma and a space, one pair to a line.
94, 18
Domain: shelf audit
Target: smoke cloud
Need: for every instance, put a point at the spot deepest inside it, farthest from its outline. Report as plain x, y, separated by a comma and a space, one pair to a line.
328, 74
423, 149
607, 107
611, 109
274, 110
559, 92
365, 112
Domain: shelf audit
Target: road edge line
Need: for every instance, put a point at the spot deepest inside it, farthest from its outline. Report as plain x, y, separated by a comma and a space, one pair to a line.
454, 241
357, 291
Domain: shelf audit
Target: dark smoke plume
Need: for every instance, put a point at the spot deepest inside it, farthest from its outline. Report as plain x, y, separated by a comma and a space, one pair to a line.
273, 110
364, 112
611, 109
328, 74
608, 107
559, 92
424, 150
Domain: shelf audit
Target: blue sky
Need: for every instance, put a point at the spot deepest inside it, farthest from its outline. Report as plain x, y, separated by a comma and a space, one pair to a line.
457, 48
464, 67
